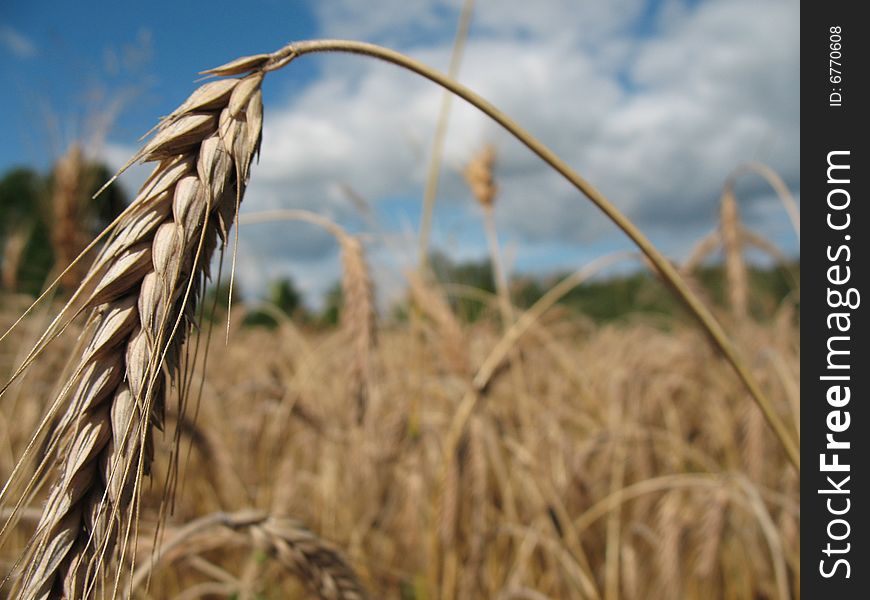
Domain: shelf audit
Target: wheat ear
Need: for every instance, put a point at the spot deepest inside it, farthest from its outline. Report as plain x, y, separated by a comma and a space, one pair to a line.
141, 291
13, 252
432, 303
66, 235
317, 563
735, 267
358, 317
358, 312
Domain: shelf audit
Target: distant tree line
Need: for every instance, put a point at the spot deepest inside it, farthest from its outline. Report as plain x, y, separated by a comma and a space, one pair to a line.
47, 219
471, 291
611, 298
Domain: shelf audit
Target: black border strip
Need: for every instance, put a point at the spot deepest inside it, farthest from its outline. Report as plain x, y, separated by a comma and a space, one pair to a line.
835, 225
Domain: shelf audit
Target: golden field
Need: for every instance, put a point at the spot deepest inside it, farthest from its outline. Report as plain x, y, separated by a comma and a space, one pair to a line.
622, 460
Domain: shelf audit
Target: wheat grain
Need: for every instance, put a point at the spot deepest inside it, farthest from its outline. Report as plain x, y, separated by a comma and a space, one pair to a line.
476, 473
321, 567
479, 175
710, 533
629, 572
141, 291
576, 496
358, 314
669, 529
752, 442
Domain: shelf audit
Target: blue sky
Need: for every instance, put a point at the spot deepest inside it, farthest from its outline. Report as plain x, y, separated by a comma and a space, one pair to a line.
655, 102
56, 57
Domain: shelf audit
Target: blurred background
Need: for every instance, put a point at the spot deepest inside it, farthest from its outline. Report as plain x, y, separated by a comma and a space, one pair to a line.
655, 102
498, 425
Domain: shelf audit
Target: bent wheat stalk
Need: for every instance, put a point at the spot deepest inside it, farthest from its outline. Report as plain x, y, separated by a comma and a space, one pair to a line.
292, 51
778, 185
141, 292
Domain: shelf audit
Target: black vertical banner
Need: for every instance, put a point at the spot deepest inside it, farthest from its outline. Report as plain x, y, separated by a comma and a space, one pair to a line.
835, 421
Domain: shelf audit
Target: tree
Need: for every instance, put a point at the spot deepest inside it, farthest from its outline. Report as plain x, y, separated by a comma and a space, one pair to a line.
26, 253
46, 221
283, 297
331, 313
216, 300
470, 275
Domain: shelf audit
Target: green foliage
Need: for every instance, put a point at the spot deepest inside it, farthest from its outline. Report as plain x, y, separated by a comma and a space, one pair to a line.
331, 313
617, 297
464, 279
283, 298
216, 300
525, 291
768, 286
25, 210
103, 209
22, 221
37, 260
21, 191
611, 299
284, 295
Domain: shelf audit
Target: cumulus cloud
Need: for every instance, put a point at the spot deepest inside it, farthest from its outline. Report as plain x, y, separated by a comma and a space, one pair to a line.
655, 109
654, 103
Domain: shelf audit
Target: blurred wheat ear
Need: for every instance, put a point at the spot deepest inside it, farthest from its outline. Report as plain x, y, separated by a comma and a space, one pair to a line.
358, 317
358, 312
66, 234
141, 292
320, 566
732, 235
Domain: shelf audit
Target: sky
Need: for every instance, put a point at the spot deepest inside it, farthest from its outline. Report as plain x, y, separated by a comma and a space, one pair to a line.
655, 102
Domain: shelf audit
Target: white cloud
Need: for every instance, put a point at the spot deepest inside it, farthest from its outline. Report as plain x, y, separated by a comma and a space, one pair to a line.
398, 22
657, 121
18, 44
654, 109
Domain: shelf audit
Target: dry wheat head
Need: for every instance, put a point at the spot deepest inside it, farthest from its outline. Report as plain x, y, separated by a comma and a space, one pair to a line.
735, 267
141, 293
358, 317
479, 175
67, 237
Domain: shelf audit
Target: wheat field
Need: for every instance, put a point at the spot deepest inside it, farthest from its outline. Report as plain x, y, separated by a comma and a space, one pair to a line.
633, 451
534, 454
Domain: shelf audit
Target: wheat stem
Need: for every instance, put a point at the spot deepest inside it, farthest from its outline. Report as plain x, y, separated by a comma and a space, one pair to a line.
431, 190
778, 185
